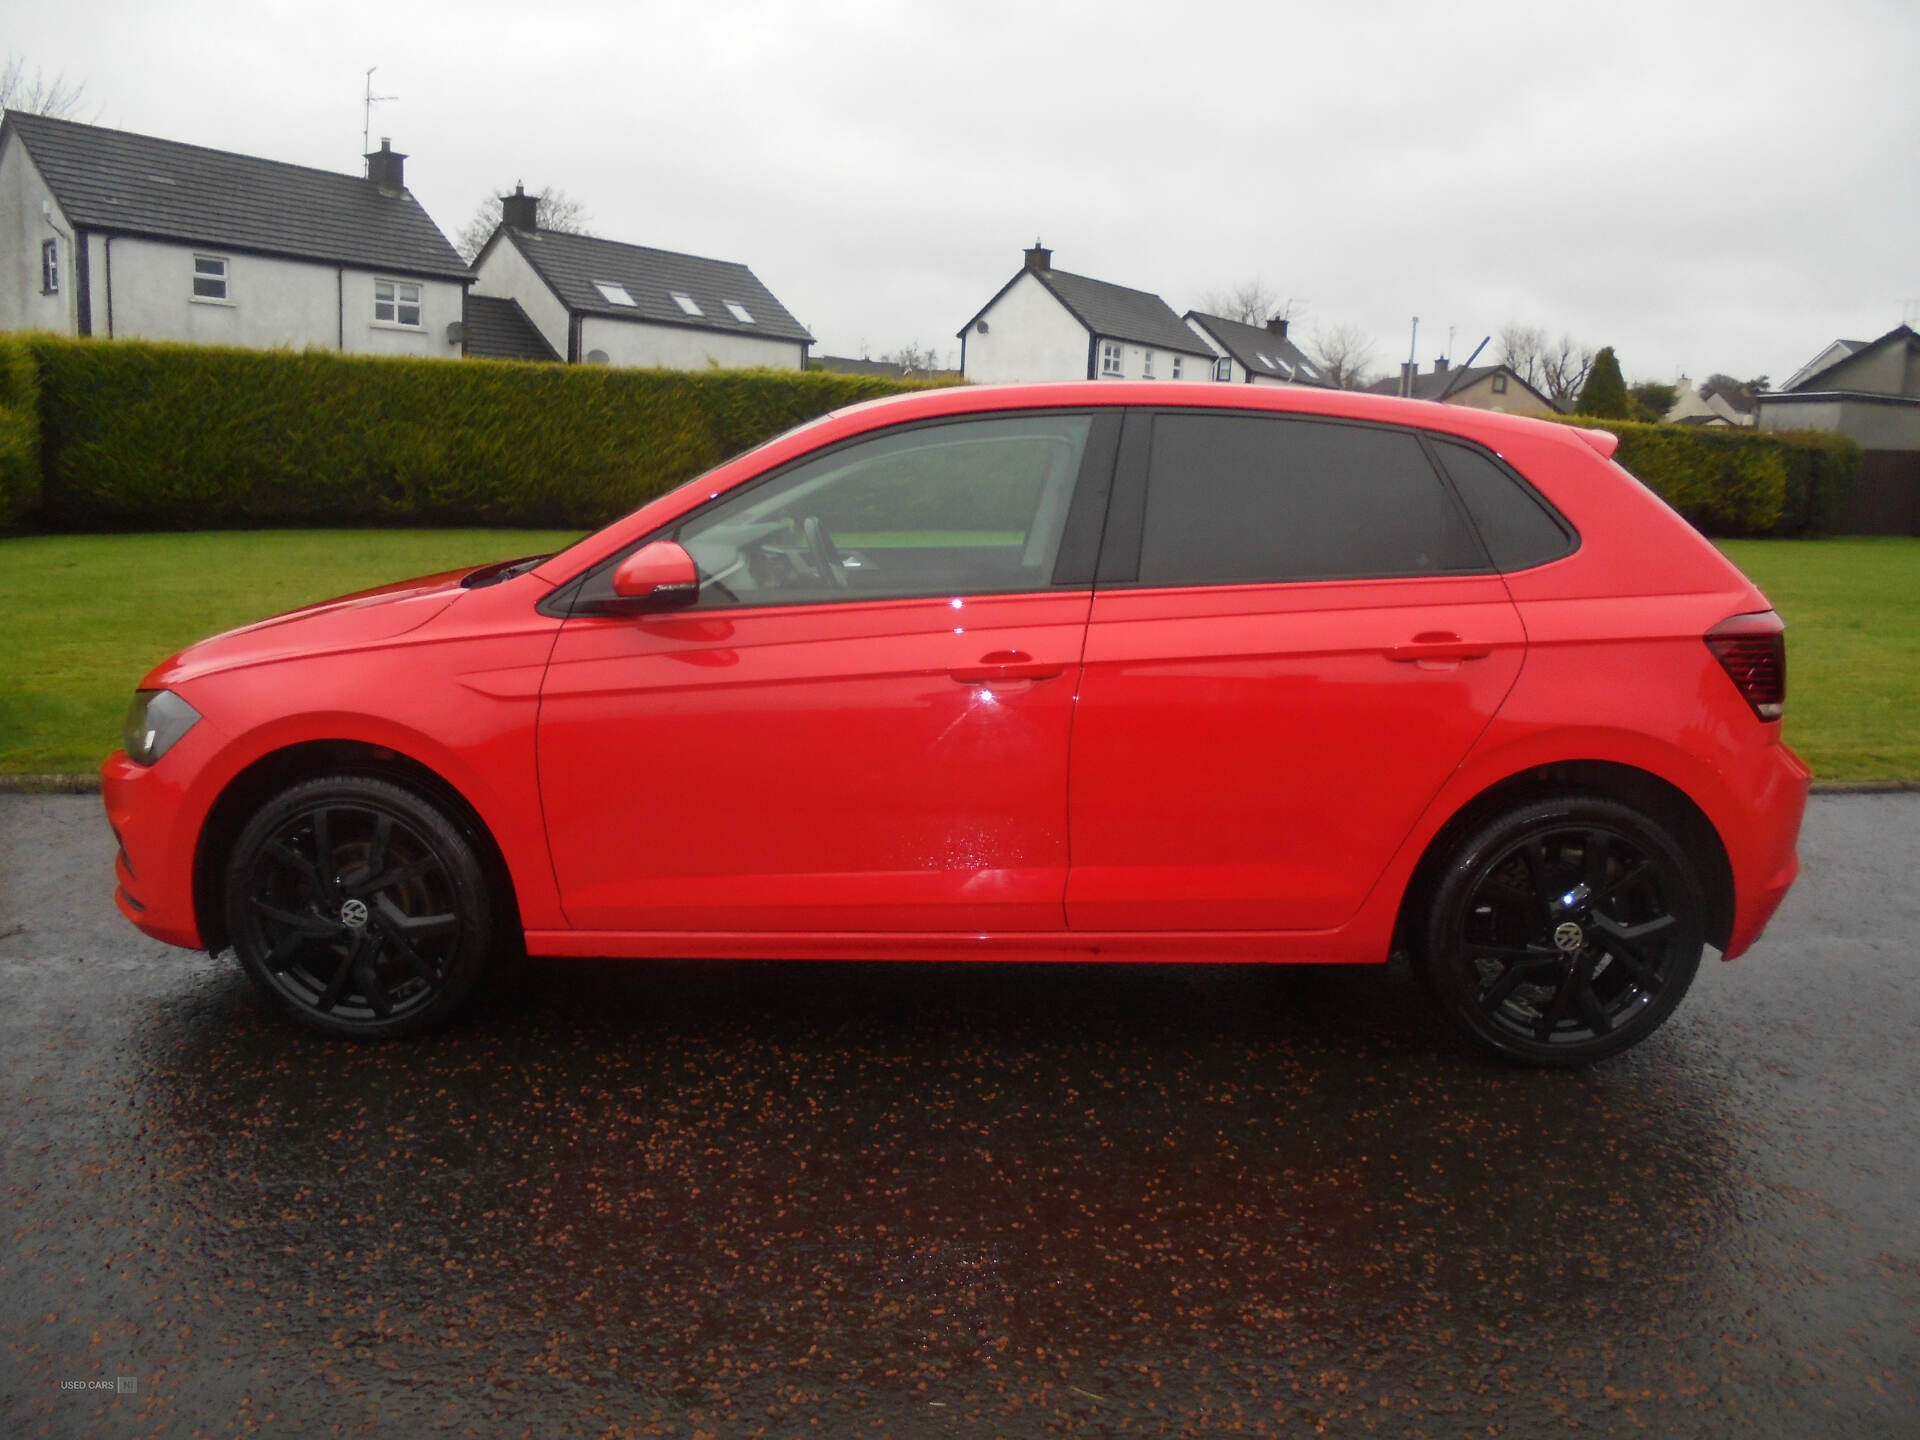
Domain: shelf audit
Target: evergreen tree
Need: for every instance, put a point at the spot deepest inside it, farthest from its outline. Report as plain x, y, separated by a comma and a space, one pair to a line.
1605, 393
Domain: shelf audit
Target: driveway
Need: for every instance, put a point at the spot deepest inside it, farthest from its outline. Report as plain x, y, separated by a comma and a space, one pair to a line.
698, 1198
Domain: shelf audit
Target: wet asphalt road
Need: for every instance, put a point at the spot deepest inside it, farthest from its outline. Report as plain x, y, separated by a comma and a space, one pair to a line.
702, 1199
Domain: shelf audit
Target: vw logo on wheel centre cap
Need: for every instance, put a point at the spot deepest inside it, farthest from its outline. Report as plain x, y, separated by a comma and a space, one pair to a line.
354, 914
1568, 936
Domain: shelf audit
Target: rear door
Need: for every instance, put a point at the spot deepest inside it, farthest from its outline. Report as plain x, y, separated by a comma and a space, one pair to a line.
1295, 637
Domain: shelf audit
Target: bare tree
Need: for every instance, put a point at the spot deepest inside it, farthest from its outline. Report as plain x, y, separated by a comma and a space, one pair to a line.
1252, 302
558, 211
35, 94
915, 359
1556, 368
1345, 354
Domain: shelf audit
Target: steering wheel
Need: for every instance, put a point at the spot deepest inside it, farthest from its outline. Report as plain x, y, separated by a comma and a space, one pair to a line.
826, 555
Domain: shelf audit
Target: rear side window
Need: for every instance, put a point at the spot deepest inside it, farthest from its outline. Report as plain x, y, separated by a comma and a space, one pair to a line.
1238, 499
1516, 525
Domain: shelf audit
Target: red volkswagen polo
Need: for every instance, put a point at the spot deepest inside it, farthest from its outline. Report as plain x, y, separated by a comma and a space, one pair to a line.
1135, 672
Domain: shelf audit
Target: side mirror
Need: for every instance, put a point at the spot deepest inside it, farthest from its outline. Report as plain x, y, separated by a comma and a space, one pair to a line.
662, 572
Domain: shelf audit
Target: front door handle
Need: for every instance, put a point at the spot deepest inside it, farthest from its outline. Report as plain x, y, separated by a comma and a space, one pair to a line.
1439, 645
1006, 665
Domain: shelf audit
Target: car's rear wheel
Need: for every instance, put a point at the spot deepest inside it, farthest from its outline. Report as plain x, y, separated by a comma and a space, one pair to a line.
1565, 930
358, 907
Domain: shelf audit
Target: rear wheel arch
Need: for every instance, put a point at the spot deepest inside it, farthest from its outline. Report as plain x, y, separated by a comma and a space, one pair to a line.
279, 770
1652, 795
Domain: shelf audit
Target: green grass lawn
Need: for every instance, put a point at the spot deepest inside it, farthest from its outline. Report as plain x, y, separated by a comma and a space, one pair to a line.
1852, 608
84, 617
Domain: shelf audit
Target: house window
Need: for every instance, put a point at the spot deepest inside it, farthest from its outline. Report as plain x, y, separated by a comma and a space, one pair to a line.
1146, 366
49, 267
685, 302
396, 302
1499, 384
209, 277
1176, 367
613, 294
1223, 368
739, 312
1109, 357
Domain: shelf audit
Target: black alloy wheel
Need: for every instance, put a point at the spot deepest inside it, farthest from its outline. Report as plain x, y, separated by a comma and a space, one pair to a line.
1565, 931
358, 907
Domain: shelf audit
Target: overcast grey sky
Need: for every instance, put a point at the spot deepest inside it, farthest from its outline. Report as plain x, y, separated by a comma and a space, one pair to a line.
1703, 186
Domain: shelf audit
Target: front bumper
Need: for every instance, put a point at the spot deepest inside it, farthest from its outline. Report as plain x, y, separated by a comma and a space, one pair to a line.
153, 870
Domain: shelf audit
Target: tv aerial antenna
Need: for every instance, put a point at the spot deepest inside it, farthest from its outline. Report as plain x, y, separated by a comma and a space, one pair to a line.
366, 114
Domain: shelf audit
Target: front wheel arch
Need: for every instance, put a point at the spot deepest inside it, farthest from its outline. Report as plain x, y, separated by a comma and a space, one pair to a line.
282, 769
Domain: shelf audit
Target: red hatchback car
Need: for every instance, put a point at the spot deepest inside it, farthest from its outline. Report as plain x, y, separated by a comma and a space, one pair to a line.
1135, 672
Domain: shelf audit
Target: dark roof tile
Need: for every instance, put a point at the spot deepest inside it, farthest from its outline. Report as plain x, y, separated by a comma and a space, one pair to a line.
1117, 313
498, 329
570, 264
136, 184
1259, 350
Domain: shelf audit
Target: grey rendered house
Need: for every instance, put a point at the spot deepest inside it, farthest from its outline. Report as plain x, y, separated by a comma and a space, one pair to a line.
1868, 390
105, 232
601, 302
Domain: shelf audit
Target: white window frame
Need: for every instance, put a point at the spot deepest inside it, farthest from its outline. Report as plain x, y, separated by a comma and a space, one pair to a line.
614, 293
1176, 367
1146, 365
396, 303
1499, 384
688, 305
221, 276
49, 267
1110, 357
739, 312
1223, 368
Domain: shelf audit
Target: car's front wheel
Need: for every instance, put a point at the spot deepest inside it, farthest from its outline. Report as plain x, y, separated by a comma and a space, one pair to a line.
1564, 930
358, 907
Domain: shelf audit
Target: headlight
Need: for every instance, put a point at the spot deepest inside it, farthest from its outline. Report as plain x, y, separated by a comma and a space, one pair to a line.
155, 720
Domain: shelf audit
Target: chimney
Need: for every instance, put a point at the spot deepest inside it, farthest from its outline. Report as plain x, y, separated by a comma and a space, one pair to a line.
1039, 257
1278, 326
520, 210
386, 167
1407, 368
1440, 366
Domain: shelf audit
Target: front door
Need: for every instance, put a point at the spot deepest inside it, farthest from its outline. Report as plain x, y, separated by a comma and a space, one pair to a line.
862, 724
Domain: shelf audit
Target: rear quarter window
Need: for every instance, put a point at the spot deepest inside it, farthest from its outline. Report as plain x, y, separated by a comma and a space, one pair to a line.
1247, 499
1519, 529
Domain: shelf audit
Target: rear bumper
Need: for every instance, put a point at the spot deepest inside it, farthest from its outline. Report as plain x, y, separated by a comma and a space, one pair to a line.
1764, 850
153, 869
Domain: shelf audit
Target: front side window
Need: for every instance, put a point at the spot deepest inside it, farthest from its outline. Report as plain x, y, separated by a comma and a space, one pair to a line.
1251, 499
1109, 357
964, 507
49, 267
396, 302
209, 277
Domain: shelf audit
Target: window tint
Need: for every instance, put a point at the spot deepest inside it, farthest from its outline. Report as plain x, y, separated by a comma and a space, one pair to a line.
1250, 498
1516, 526
959, 508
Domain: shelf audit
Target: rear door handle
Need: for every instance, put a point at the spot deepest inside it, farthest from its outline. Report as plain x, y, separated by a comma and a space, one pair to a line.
1439, 645
1006, 665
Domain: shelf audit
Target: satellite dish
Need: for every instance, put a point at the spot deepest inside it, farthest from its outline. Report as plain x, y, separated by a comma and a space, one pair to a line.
596, 357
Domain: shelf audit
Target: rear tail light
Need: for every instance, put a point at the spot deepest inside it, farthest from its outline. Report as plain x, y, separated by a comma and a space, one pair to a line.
1752, 649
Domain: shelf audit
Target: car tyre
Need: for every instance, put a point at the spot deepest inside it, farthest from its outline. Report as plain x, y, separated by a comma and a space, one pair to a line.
1565, 930
358, 907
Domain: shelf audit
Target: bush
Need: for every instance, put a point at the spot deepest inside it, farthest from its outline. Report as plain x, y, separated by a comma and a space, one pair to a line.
19, 432
1739, 483
159, 437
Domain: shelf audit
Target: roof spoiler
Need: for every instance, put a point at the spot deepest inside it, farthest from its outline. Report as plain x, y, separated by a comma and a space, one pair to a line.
1604, 441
